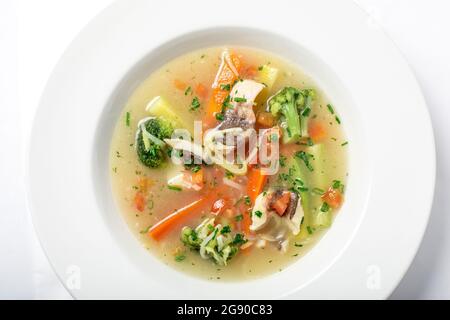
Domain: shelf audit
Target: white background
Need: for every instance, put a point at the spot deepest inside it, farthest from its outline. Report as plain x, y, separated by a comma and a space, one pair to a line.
33, 35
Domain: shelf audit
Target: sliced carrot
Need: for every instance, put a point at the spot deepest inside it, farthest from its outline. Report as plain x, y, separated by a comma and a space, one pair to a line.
180, 85
225, 78
201, 91
333, 198
139, 201
172, 220
317, 131
265, 119
256, 182
255, 185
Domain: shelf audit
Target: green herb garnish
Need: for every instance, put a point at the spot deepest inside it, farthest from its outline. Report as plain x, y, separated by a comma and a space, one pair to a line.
338, 120
229, 175
174, 188
127, 119
239, 239
330, 108
305, 157
225, 229
188, 91
325, 207
195, 104
239, 99
258, 213
180, 257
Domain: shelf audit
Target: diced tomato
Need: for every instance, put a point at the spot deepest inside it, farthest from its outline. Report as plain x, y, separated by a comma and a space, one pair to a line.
280, 203
218, 206
139, 201
333, 198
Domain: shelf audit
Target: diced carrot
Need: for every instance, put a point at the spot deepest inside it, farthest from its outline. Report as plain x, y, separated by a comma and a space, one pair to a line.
317, 131
265, 119
225, 78
180, 85
201, 91
197, 177
281, 203
333, 198
139, 201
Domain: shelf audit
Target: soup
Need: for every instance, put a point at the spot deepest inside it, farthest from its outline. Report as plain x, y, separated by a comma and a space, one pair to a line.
228, 163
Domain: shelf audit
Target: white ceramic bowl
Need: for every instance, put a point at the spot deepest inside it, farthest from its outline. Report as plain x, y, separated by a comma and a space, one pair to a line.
390, 185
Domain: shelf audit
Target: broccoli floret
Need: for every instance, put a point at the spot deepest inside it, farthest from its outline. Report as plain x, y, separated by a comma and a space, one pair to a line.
150, 147
292, 106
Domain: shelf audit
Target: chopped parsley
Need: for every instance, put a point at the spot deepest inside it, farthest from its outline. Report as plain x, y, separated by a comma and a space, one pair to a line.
344, 143
325, 207
310, 230
225, 229
239, 99
145, 230
239, 217
229, 174
305, 157
298, 245
336, 184
127, 119
174, 188
195, 104
226, 103
220, 116
330, 108
180, 257
318, 191
239, 239
226, 87
338, 120
306, 112
247, 200
188, 91
258, 213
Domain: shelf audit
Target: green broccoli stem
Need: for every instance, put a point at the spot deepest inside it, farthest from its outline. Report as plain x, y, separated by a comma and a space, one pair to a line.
292, 131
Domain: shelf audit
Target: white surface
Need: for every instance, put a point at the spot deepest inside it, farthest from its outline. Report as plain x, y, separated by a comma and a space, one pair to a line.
347, 57
418, 27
